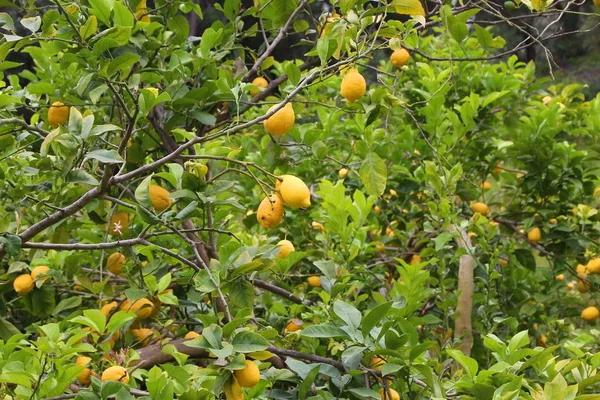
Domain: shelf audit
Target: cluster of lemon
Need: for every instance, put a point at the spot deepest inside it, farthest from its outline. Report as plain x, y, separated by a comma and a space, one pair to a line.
24, 284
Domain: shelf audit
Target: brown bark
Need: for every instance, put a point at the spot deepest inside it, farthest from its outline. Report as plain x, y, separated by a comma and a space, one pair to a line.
464, 304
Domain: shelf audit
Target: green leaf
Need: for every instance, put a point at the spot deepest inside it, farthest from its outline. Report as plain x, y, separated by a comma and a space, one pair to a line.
525, 258
187, 211
213, 336
67, 304
521, 339
373, 174
241, 295
248, 342
142, 193
105, 156
90, 27
348, 313
408, 7
469, 364
122, 62
374, 316
324, 331
305, 387
11, 244
119, 320
102, 9
7, 330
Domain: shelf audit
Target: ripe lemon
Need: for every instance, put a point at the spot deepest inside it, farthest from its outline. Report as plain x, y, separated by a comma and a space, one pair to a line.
486, 185
108, 308
86, 373
590, 314
159, 198
377, 209
314, 281
259, 82
593, 266
400, 57
40, 270
415, 259
342, 173
582, 286
560, 277
553, 221
249, 376
119, 224
597, 3
142, 307
318, 226
570, 285
115, 263
58, 114
270, 211
142, 335
542, 341
581, 271
498, 167
534, 235
285, 248
480, 208
191, 335
141, 12
293, 191
294, 326
23, 284
377, 363
393, 393
546, 100
233, 391
115, 373
353, 86
282, 121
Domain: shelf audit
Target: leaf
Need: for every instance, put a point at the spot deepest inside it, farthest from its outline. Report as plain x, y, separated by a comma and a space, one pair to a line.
323, 331
241, 295
122, 62
90, 27
187, 211
119, 319
525, 258
348, 313
102, 9
521, 339
469, 364
374, 316
408, 7
373, 174
305, 387
33, 23
142, 193
7, 330
365, 393
105, 156
67, 304
351, 357
11, 244
248, 342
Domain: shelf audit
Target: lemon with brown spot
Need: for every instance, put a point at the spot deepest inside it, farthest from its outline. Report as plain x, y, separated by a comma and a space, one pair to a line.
270, 211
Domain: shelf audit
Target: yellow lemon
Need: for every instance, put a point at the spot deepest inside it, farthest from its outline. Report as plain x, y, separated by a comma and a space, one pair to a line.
415, 259
353, 86
108, 308
159, 198
342, 173
86, 373
385, 396
560, 277
115, 373
58, 114
597, 3
570, 285
400, 58
233, 391
142, 307
486, 185
593, 266
285, 248
23, 284
318, 226
142, 335
259, 82
377, 209
248, 376
191, 335
115, 263
582, 286
270, 211
293, 191
590, 314
314, 281
141, 12
581, 271
294, 325
40, 270
119, 224
377, 363
546, 100
480, 208
534, 235
553, 221
498, 167
282, 121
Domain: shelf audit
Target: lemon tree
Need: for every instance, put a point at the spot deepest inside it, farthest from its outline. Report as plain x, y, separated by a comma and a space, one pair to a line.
297, 199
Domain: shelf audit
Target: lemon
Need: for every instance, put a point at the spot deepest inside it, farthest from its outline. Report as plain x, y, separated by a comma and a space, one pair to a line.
498, 168
393, 393
23, 284
248, 376
191, 335
58, 114
259, 82
597, 3
233, 391
399, 58
377, 209
282, 121
534, 235
353, 86
84, 375
318, 226
593, 266
142, 307
415, 259
314, 281
590, 314
142, 335
40, 270
486, 185
140, 12
581, 271
377, 363
560, 277
115, 373
553, 221
119, 224
270, 211
480, 208
342, 173
159, 198
293, 191
294, 326
582, 286
154, 91
285, 248
546, 100
570, 285
108, 308
115, 263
